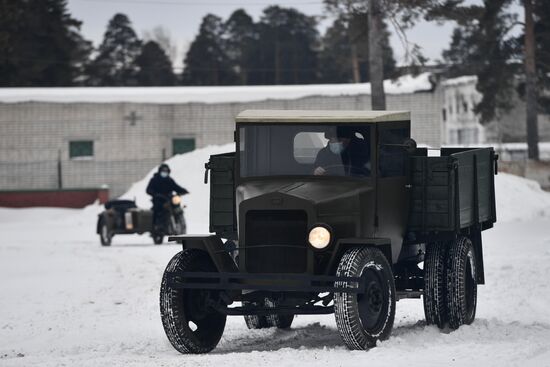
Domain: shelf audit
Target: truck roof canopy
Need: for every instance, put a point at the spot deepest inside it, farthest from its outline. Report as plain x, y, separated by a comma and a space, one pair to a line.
320, 116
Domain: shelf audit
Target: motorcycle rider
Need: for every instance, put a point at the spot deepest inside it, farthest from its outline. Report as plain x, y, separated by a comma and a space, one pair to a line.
160, 187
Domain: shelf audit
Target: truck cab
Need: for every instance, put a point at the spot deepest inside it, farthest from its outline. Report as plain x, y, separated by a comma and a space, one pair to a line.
334, 212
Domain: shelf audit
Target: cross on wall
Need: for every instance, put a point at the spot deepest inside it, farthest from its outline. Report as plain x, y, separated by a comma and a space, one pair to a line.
133, 117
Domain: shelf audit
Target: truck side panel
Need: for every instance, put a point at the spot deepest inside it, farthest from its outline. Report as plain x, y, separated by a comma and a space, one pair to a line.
452, 192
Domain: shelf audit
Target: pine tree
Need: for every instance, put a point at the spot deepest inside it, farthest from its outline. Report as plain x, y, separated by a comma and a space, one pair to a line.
115, 63
155, 68
288, 47
345, 54
206, 61
40, 44
241, 45
163, 38
483, 47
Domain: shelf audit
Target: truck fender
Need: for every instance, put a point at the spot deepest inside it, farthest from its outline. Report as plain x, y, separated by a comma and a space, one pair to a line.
384, 244
213, 246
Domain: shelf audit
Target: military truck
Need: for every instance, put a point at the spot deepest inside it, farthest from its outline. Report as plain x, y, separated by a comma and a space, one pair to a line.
321, 212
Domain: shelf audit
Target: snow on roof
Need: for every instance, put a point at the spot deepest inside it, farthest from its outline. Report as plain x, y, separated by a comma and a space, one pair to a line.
465, 79
223, 94
305, 116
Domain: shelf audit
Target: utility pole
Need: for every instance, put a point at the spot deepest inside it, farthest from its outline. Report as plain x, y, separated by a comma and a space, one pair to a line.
376, 65
531, 83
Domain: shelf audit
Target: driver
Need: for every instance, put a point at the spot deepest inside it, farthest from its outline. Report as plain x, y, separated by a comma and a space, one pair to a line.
344, 155
160, 187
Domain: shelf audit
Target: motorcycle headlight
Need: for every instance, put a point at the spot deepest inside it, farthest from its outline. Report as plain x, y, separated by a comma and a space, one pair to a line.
176, 200
319, 237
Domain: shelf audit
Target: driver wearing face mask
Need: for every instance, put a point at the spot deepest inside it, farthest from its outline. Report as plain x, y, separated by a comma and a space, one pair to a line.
344, 155
160, 187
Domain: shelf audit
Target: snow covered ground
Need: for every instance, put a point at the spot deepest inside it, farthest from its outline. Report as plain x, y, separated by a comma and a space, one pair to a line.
65, 300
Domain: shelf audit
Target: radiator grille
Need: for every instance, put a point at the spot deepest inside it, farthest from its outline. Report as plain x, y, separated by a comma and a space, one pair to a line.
276, 241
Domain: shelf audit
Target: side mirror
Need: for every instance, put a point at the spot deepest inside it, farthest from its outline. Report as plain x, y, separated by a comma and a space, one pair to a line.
409, 145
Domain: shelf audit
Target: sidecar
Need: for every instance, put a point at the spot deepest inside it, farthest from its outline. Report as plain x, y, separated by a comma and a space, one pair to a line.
122, 217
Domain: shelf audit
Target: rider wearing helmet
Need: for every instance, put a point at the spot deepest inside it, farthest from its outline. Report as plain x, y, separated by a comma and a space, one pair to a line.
160, 187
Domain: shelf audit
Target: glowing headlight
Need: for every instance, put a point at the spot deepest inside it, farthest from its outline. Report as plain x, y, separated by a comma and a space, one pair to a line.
176, 200
319, 237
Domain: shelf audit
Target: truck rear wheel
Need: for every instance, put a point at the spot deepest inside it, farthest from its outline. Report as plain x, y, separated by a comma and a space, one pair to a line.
461, 283
435, 284
190, 323
255, 321
280, 321
364, 318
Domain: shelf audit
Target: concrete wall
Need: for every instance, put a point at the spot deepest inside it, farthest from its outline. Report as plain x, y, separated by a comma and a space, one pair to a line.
77, 198
35, 136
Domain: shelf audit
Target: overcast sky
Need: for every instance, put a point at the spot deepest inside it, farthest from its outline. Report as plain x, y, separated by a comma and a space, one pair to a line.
182, 18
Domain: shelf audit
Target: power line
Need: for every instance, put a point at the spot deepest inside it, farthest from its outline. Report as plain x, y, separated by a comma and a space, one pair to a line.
203, 3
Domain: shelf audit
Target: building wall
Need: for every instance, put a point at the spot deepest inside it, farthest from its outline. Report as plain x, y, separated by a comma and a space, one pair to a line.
460, 123
35, 136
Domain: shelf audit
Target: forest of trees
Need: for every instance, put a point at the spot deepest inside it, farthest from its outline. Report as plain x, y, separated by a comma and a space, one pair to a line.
41, 45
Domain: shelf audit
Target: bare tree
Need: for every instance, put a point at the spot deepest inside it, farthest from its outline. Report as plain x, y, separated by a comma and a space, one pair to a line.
401, 14
531, 83
376, 61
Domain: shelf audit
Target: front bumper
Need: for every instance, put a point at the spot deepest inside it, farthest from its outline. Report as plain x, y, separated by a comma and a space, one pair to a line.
233, 281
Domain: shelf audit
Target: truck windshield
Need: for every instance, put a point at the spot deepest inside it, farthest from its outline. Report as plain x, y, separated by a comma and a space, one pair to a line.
307, 149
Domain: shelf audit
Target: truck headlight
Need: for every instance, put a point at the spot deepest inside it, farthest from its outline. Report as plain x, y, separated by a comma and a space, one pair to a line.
176, 200
319, 237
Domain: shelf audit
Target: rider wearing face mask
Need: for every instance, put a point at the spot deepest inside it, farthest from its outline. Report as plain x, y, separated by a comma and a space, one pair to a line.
160, 187
344, 155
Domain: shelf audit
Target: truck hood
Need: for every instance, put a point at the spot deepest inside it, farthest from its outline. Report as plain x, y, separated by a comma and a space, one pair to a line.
317, 192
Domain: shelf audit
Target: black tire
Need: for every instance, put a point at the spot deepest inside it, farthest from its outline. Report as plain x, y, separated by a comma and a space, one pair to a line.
182, 310
157, 239
255, 321
461, 283
105, 236
435, 284
362, 319
280, 321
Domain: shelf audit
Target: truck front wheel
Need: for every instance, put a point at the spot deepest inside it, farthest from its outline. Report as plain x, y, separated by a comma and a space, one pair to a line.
190, 323
461, 283
363, 318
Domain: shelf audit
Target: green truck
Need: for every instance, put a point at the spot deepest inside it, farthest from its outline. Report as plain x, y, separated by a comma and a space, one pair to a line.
320, 212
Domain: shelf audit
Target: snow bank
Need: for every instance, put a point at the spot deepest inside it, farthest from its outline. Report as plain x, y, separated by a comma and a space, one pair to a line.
188, 171
465, 79
520, 199
403, 85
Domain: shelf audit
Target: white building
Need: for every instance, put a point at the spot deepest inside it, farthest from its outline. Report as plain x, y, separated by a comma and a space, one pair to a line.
460, 124
86, 137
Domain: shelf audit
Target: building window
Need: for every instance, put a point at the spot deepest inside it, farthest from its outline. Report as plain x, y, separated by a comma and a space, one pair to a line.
444, 114
184, 145
81, 149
